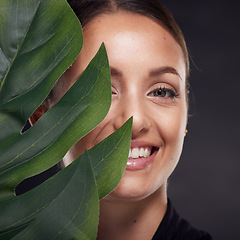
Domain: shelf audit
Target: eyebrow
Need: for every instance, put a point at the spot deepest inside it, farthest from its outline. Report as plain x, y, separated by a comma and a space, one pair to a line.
163, 70
153, 73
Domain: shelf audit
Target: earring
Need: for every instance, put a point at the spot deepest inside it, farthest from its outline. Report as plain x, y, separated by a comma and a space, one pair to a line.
186, 131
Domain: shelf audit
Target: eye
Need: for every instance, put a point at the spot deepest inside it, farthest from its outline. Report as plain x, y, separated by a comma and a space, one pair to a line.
163, 92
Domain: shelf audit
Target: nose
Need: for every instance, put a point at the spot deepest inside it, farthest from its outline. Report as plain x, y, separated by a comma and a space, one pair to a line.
132, 107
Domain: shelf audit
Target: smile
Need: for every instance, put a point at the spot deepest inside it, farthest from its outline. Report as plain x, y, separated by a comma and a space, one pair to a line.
137, 153
140, 157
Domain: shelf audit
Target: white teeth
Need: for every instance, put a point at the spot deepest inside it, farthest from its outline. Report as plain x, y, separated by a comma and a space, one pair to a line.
137, 153
147, 152
141, 154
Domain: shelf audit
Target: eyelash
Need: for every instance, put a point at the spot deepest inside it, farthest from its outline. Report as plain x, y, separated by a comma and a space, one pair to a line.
156, 93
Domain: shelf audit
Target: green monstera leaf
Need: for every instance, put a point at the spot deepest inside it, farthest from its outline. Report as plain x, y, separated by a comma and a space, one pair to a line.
39, 40
66, 205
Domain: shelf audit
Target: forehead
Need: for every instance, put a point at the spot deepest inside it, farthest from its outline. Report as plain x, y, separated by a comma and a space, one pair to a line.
131, 36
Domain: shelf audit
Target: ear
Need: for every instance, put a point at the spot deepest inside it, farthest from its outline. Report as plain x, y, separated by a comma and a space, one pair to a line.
36, 115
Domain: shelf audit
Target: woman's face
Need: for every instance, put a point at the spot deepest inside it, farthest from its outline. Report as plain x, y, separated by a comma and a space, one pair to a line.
148, 83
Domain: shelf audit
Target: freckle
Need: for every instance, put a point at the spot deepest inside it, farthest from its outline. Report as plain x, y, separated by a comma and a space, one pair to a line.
134, 221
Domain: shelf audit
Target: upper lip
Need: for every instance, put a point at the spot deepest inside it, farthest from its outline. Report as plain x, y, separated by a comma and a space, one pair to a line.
139, 144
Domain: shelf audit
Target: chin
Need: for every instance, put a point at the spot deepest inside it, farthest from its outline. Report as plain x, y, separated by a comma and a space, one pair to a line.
132, 189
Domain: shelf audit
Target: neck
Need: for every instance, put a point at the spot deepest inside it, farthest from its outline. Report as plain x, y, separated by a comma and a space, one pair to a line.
135, 220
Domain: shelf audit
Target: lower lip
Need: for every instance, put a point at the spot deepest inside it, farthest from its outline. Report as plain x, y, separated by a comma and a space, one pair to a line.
134, 164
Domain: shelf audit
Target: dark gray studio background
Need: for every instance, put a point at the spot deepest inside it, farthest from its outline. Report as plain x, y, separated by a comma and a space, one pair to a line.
205, 186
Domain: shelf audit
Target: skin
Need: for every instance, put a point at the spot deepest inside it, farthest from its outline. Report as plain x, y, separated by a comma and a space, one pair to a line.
143, 57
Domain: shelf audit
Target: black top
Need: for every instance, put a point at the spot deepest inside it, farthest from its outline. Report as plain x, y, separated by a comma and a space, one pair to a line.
173, 227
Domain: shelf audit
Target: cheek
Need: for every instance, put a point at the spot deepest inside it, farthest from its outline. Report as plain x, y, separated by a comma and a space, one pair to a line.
172, 130
172, 123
